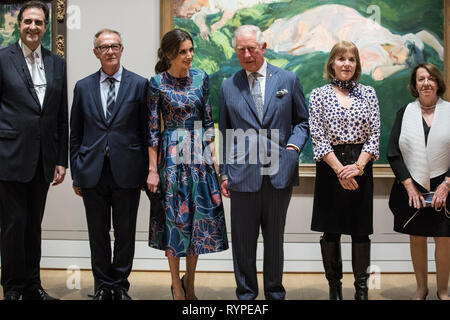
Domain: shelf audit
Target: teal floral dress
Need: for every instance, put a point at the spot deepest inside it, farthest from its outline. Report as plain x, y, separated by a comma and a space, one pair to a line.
195, 221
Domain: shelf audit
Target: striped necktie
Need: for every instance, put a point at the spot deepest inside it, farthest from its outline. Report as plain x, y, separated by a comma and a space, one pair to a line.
111, 98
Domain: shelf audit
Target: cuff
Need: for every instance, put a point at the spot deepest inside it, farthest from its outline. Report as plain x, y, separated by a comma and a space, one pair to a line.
295, 147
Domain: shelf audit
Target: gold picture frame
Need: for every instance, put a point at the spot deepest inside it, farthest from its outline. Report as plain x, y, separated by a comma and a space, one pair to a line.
308, 170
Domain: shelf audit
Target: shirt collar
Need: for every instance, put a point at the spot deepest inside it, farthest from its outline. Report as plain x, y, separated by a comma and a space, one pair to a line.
26, 51
117, 76
262, 71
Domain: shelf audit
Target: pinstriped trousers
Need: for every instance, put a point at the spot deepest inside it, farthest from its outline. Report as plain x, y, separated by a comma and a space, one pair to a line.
251, 211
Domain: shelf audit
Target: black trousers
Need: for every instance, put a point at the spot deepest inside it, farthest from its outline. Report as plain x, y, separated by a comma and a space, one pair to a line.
111, 269
250, 211
21, 211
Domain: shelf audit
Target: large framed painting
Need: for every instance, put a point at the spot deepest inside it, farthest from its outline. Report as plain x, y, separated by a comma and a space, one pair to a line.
55, 36
392, 37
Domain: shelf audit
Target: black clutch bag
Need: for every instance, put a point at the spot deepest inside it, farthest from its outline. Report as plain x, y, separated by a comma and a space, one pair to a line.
157, 223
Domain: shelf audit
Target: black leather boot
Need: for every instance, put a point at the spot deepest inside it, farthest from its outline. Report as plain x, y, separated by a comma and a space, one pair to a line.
360, 264
332, 263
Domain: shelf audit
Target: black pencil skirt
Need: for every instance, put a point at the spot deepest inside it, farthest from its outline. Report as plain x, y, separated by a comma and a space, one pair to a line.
341, 211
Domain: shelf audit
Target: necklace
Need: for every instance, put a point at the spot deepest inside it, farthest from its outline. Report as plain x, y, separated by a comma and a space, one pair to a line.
428, 108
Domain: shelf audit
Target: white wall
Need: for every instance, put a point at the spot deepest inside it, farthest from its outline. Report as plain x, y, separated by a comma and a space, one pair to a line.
64, 227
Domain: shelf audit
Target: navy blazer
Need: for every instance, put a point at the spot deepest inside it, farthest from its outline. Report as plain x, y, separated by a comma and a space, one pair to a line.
284, 110
28, 131
125, 133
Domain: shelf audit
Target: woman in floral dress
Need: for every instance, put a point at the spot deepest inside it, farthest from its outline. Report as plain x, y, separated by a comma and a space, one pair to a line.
182, 161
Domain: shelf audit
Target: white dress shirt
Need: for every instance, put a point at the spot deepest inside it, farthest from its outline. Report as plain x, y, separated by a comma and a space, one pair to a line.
36, 67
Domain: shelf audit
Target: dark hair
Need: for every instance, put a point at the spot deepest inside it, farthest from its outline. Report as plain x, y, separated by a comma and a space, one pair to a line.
434, 72
338, 49
34, 4
170, 44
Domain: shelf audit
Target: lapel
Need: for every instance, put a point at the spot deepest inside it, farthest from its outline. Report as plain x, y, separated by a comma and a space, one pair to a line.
123, 90
48, 67
271, 85
22, 69
244, 89
95, 85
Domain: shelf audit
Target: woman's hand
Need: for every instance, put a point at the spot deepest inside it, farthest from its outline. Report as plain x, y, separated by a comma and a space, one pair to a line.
440, 196
349, 184
415, 197
153, 180
348, 171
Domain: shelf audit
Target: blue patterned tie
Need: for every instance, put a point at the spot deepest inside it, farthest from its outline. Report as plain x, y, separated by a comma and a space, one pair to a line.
257, 95
111, 98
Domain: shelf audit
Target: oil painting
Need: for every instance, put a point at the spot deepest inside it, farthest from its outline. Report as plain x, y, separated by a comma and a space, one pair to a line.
392, 38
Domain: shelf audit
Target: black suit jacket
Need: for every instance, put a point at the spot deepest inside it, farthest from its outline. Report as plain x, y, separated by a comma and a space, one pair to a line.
25, 130
125, 133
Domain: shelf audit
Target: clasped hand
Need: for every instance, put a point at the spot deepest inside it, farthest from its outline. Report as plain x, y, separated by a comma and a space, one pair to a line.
346, 176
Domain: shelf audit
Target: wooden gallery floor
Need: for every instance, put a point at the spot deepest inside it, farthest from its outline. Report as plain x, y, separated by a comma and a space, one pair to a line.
220, 286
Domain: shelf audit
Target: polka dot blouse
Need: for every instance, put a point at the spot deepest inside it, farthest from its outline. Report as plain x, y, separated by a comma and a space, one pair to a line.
332, 124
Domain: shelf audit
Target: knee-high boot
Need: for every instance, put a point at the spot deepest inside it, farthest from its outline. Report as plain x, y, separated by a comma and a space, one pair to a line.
332, 263
360, 264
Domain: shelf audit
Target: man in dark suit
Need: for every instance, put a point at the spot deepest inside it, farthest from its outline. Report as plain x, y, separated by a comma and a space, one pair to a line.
108, 161
33, 149
263, 122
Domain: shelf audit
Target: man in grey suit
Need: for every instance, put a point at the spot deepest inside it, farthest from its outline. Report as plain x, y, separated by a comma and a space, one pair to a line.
263, 121
33, 149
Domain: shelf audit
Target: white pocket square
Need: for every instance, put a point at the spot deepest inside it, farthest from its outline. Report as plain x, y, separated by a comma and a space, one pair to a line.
281, 93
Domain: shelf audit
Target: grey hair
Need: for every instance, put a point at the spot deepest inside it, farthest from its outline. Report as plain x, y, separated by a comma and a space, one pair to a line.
245, 29
107, 31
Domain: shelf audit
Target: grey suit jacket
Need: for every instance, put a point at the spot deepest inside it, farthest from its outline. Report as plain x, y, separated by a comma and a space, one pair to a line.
250, 148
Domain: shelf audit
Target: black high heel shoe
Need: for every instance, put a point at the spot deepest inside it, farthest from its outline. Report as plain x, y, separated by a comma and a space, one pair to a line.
182, 285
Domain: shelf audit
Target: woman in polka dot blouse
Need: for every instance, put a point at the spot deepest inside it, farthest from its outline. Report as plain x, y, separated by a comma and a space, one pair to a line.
345, 130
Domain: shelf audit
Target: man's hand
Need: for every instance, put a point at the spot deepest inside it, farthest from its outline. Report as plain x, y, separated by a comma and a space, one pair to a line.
224, 188
58, 176
77, 191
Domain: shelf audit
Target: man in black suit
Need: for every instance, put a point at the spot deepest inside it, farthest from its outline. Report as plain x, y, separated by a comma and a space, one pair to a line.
108, 161
33, 149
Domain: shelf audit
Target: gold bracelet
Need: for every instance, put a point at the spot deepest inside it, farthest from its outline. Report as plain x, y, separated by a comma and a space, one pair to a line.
358, 166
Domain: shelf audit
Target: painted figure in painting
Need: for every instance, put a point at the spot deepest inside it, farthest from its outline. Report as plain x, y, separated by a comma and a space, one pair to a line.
382, 52
198, 10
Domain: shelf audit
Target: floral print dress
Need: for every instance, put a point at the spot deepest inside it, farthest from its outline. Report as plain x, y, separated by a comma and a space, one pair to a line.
195, 221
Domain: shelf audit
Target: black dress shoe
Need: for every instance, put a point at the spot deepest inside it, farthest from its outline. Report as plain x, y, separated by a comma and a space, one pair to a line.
103, 294
37, 294
121, 294
11, 295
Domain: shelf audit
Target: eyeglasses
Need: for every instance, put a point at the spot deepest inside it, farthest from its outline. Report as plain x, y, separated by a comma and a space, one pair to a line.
114, 47
241, 50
